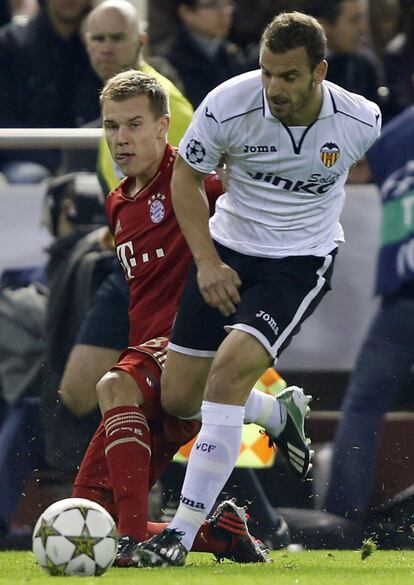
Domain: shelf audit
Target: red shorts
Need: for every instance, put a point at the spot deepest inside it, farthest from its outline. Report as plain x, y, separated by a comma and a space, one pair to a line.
167, 433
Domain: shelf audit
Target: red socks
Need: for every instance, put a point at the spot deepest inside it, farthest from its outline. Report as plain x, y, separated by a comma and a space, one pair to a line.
128, 453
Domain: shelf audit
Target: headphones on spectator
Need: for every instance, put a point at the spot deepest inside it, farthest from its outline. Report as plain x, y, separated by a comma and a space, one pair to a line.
85, 194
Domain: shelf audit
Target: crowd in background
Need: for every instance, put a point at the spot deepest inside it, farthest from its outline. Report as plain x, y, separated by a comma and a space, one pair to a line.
195, 43
55, 70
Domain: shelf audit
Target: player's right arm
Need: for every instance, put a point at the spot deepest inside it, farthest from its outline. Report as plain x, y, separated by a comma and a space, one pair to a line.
218, 282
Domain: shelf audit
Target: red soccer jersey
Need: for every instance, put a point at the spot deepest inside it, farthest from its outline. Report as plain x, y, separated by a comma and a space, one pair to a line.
152, 250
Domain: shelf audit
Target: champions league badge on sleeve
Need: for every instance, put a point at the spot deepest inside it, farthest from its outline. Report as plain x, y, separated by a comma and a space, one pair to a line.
156, 207
195, 151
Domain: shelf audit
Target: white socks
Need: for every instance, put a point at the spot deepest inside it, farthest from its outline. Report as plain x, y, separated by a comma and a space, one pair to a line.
265, 410
262, 409
214, 455
211, 462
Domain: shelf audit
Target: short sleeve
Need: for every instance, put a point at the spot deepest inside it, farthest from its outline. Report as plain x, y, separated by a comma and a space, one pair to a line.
377, 127
394, 148
202, 146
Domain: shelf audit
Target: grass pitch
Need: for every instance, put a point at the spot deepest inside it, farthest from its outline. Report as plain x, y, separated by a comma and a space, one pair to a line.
288, 568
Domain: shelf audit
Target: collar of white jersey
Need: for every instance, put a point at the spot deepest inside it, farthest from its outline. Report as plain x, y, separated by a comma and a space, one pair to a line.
327, 108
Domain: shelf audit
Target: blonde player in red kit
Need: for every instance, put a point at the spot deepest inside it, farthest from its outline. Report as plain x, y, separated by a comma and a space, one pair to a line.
137, 439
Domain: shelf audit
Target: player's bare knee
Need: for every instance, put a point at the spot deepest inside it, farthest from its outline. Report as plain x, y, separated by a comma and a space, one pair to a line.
118, 388
105, 391
109, 391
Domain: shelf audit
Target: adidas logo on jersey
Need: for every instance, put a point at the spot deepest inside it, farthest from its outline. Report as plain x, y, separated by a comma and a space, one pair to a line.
118, 227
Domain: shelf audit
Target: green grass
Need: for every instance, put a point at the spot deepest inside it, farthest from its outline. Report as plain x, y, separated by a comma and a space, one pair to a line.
301, 568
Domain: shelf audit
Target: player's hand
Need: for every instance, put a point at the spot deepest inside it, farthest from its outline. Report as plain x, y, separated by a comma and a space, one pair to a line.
218, 283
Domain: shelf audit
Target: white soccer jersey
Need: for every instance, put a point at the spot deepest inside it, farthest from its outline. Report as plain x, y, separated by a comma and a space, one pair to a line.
285, 188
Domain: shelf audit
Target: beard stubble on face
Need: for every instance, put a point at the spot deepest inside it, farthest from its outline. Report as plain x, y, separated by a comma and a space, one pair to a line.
291, 106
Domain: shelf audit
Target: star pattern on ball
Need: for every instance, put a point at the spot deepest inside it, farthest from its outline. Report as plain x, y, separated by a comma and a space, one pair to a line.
83, 510
56, 570
45, 530
84, 543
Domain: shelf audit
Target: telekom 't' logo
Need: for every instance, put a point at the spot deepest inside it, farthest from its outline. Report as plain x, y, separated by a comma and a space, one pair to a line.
126, 256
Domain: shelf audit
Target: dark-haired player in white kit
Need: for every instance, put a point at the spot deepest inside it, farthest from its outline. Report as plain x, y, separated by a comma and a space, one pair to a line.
265, 259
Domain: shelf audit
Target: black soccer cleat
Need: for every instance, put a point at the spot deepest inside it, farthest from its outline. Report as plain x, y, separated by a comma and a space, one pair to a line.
229, 521
292, 441
162, 550
125, 551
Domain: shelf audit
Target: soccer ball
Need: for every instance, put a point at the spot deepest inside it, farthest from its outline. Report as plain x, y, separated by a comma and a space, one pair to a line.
75, 536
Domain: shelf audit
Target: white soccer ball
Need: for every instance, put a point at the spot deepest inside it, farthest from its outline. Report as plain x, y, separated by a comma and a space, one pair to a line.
75, 536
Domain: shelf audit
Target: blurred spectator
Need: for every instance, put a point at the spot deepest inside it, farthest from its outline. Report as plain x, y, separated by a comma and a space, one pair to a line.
384, 23
249, 24
200, 51
49, 82
42, 332
399, 63
351, 64
383, 367
21, 10
73, 208
79, 260
162, 22
114, 38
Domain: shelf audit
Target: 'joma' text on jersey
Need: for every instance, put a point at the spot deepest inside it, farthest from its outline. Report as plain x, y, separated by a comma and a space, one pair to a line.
262, 148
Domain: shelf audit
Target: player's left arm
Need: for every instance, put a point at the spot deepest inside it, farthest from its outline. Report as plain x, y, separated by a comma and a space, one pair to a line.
360, 172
